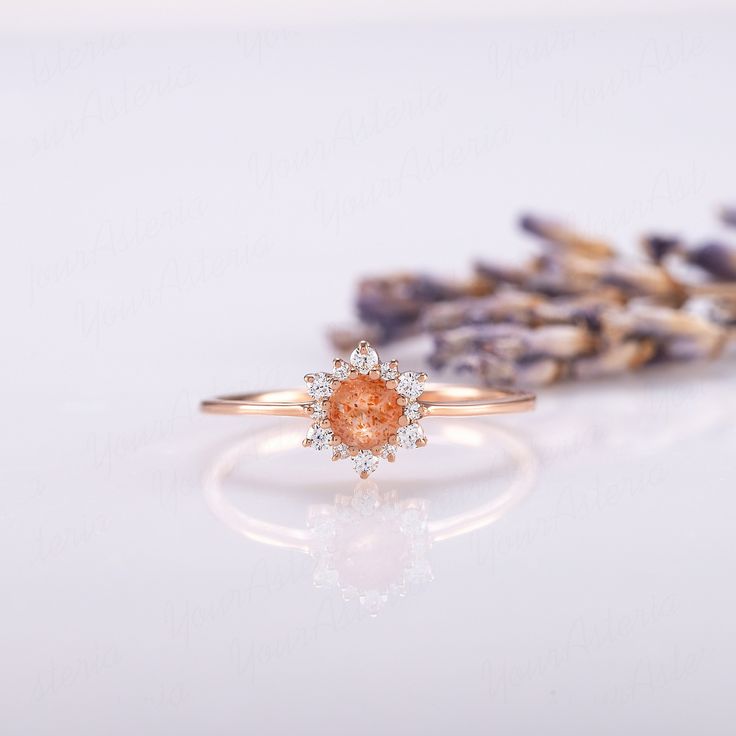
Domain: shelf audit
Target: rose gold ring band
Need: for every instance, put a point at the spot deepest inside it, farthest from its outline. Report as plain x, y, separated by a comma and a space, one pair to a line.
439, 400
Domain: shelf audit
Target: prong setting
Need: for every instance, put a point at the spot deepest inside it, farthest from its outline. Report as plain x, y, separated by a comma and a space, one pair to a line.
365, 410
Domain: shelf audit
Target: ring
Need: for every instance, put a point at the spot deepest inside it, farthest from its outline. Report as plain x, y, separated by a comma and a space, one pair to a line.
366, 410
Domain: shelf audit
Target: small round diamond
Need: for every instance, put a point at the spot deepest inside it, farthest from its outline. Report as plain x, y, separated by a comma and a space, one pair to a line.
319, 413
387, 450
365, 462
412, 411
364, 363
341, 450
341, 372
320, 437
388, 373
409, 435
409, 385
320, 387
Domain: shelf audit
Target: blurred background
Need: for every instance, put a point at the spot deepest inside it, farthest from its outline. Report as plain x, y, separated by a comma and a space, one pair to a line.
189, 195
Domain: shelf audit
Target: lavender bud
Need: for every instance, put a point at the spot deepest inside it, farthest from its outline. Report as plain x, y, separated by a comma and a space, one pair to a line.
658, 247
717, 259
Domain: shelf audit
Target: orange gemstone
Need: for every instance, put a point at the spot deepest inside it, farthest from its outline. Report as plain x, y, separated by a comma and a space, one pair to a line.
363, 413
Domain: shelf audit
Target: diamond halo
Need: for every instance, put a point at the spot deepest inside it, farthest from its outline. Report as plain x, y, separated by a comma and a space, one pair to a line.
364, 410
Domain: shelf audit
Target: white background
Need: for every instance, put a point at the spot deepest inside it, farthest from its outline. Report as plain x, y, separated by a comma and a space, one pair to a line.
185, 208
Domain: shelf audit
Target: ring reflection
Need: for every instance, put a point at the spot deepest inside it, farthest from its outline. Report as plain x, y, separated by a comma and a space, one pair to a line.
373, 542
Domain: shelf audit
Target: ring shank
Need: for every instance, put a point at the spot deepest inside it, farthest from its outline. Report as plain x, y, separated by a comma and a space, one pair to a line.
439, 400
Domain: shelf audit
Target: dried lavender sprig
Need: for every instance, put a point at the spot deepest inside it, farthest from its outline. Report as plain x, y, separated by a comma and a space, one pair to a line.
617, 359
718, 307
513, 342
628, 338
509, 305
495, 371
718, 259
659, 247
393, 305
506, 305
694, 336
564, 274
611, 314
555, 233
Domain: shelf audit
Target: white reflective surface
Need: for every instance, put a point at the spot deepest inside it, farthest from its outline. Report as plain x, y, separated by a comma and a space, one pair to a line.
183, 216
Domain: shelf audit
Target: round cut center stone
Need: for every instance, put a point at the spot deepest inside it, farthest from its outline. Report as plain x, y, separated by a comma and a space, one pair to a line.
363, 413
